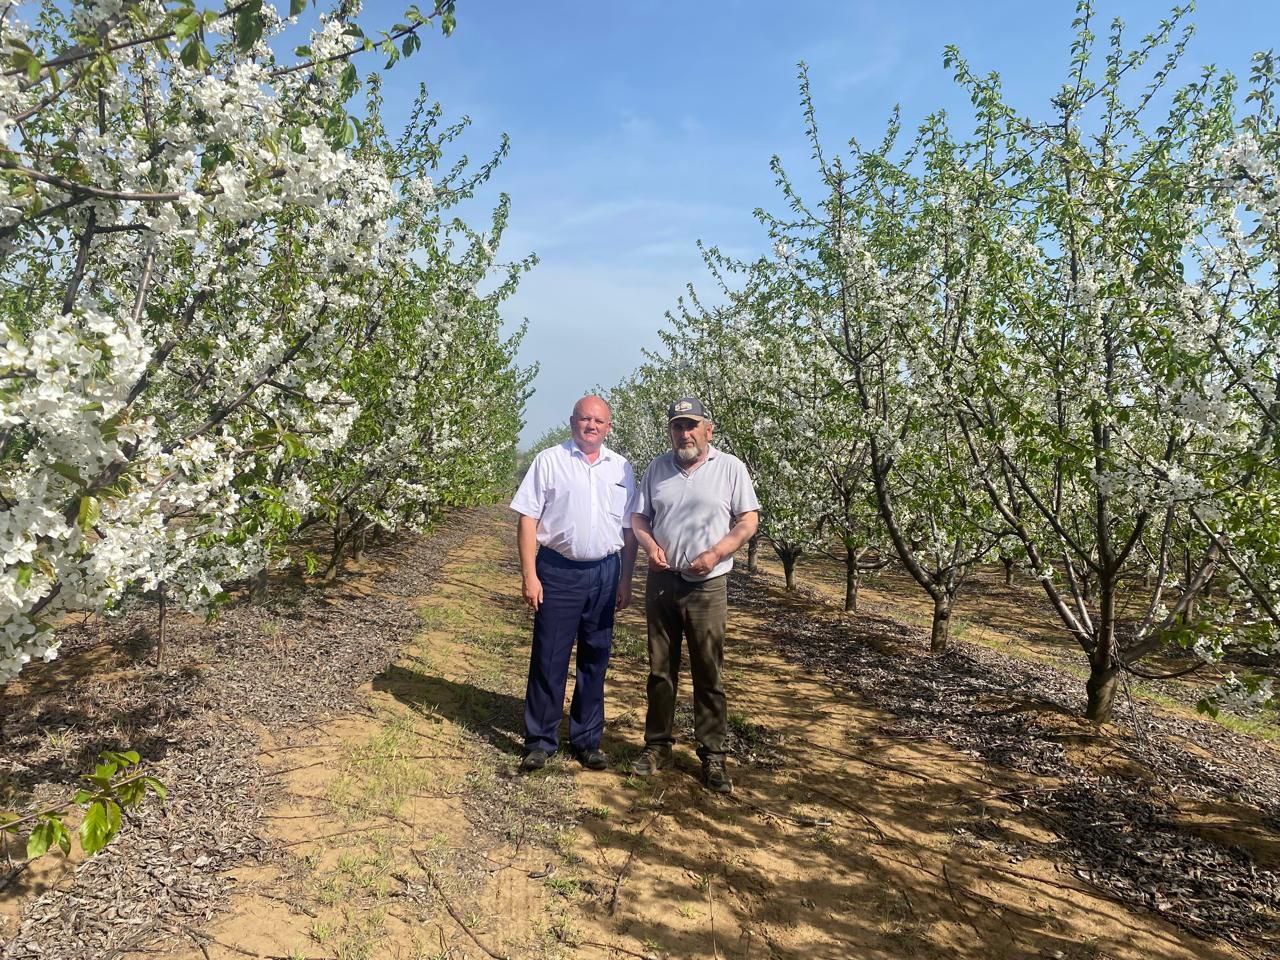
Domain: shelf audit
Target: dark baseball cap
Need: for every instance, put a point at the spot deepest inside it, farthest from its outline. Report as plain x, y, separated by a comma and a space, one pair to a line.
687, 408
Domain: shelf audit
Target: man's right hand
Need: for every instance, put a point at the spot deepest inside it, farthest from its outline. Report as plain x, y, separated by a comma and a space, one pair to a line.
658, 558
531, 590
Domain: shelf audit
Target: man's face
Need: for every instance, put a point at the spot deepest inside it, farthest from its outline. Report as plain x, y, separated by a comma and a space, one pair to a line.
689, 438
590, 424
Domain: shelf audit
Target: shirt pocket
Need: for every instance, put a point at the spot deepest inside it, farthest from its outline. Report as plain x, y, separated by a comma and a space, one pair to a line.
617, 501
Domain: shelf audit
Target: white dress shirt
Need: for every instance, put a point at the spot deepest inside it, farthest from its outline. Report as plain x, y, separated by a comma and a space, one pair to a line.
581, 507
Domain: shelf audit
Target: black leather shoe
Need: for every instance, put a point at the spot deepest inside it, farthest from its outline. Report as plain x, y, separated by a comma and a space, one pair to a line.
592, 758
533, 760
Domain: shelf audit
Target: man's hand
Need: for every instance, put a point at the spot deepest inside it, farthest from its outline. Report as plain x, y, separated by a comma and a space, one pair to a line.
704, 562
531, 590
623, 599
658, 558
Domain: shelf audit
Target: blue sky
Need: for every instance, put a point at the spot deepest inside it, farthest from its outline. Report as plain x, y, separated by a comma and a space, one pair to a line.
638, 129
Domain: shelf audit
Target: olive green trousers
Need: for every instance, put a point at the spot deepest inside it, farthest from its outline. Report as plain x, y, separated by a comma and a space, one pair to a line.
693, 614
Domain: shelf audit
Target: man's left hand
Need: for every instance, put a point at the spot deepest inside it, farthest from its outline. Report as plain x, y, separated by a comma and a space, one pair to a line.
704, 562
624, 596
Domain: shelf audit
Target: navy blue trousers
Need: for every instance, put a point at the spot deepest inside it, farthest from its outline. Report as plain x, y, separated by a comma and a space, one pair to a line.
577, 607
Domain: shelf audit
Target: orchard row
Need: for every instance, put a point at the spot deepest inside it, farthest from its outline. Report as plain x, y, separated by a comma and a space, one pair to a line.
235, 313
1051, 341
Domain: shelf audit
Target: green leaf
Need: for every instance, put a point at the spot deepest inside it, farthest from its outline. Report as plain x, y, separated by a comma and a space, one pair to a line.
131, 794
156, 787
95, 829
347, 81
68, 471
188, 25
121, 759
40, 840
101, 823
25, 572
296, 7
90, 511
249, 26
190, 55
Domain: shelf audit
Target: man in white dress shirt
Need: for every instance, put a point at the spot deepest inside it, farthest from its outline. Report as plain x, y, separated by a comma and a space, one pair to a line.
576, 559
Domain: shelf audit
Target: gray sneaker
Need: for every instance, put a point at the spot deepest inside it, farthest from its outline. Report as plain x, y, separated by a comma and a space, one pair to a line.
651, 761
714, 776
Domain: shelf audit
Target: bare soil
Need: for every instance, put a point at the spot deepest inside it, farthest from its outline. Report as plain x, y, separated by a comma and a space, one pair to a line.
887, 803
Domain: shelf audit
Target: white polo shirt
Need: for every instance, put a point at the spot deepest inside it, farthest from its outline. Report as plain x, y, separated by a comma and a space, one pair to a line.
581, 507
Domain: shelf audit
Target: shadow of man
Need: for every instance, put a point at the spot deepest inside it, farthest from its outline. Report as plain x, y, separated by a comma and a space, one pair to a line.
495, 717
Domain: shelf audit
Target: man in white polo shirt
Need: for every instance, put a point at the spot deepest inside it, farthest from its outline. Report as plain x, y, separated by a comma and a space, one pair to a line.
576, 559
694, 508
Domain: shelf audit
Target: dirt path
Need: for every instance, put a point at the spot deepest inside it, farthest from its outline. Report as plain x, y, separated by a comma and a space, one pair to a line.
403, 831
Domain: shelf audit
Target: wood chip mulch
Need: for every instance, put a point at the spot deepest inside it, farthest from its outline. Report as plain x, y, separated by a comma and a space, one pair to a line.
1117, 833
285, 664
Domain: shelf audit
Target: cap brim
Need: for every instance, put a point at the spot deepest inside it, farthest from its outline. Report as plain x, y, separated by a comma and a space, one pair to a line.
686, 416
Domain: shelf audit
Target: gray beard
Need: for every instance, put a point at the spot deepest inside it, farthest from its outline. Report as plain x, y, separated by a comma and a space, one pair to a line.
687, 455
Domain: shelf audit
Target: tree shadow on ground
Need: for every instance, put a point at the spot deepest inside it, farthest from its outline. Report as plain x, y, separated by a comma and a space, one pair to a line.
841, 839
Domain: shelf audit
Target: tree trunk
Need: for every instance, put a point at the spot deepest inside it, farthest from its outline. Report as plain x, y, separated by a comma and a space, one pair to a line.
1008, 570
335, 557
259, 585
1101, 688
852, 576
163, 626
753, 551
357, 550
788, 558
941, 631
1189, 614
1104, 670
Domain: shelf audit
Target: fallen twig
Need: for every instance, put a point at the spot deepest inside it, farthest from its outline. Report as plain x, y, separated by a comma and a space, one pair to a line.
1029, 791
199, 935
615, 948
878, 764
13, 874
300, 907
800, 821
301, 766
326, 836
303, 746
449, 907
951, 890
852, 808
199, 943
711, 908
626, 864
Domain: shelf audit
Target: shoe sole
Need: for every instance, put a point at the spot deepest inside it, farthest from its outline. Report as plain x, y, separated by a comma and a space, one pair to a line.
649, 773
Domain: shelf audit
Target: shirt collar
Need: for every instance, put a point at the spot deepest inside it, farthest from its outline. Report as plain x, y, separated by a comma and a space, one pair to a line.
712, 453
576, 451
